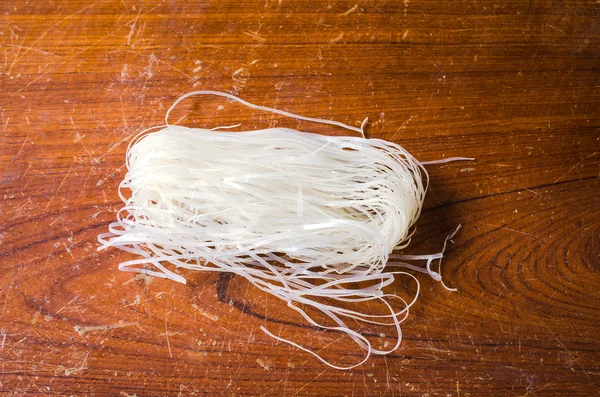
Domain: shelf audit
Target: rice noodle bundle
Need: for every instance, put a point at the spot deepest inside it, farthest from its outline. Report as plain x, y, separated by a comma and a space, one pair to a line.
311, 219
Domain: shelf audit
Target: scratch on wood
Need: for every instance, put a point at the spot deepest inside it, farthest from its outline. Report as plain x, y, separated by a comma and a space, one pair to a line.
6, 294
575, 166
555, 28
116, 144
16, 344
309, 382
254, 35
36, 386
123, 113
3, 333
81, 367
336, 38
507, 228
17, 58
205, 314
93, 328
20, 47
66, 305
22, 146
40, 76
59, 186
133, 24
79, 137
351, 10
168, 341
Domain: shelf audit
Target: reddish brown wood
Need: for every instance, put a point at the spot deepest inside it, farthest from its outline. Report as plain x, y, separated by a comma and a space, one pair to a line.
514, 84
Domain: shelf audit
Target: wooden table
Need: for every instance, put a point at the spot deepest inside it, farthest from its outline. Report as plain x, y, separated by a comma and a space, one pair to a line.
513, 84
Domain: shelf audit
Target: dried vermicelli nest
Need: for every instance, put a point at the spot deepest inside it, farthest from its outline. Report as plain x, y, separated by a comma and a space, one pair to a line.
311, 219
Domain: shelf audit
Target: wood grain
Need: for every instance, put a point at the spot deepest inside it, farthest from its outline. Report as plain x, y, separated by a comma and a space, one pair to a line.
514, 84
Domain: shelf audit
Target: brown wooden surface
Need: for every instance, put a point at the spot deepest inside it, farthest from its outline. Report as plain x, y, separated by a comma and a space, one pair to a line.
513, 83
